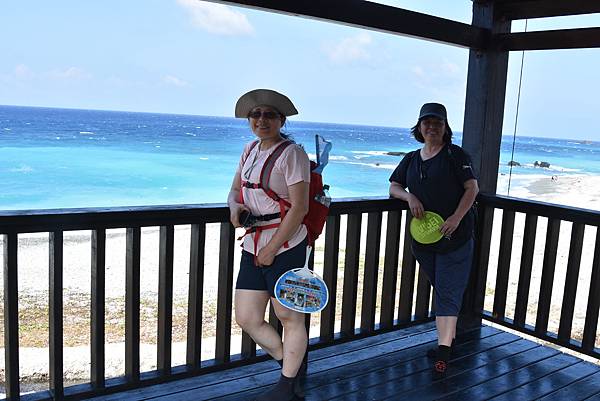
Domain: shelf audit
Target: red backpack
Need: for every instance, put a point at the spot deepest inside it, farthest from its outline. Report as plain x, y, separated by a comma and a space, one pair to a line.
318, 203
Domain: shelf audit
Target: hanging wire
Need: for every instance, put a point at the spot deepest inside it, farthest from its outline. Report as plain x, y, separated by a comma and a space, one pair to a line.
512, 152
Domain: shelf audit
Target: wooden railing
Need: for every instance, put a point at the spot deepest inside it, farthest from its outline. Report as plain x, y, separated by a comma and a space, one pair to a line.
539, 314
396, 305
399, 304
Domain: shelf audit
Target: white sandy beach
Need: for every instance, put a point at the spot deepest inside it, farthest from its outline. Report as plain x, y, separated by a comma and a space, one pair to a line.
578, 191
581, 191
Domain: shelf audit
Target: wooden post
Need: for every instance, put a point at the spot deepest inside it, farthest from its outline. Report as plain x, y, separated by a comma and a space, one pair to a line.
482, 130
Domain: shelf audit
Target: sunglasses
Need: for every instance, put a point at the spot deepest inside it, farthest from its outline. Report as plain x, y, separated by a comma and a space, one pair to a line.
269, 115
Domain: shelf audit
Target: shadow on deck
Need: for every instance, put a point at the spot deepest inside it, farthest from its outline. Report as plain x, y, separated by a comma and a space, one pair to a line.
487, 363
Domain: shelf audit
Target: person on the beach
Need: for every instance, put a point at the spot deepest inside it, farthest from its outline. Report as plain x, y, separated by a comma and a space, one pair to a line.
440, 179
275, 245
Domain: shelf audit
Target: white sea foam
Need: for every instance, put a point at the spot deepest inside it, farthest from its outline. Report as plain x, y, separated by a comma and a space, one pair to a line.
367, 153
87, 133
563, 169
21, 169
313, 156
203, 158
553, 168
375, 165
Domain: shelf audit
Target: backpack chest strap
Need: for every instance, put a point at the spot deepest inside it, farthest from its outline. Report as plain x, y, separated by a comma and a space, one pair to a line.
257, 232
251, 185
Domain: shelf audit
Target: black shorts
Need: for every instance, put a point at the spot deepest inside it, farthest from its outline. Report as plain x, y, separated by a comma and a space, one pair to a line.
252, 277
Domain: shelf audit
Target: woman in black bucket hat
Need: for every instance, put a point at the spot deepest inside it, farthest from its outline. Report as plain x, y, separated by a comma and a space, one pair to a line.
439, 179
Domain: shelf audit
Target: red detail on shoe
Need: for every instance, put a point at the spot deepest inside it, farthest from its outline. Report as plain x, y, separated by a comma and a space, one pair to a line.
440, 366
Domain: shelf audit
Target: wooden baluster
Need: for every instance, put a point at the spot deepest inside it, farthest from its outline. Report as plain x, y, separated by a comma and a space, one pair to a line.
330, 270
195, 296
369, 295
132, 304
504, 256
390, 268
572, 277
593, 305
55, 246
407, 277
551, 246
98, 293
351, 274
225, 294
11, 317
165, 299
525, 270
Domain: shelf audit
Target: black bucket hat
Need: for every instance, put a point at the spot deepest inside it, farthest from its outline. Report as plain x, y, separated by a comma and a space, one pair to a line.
433, 110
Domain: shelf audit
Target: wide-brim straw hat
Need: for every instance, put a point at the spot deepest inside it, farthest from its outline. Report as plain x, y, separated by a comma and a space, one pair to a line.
264, 97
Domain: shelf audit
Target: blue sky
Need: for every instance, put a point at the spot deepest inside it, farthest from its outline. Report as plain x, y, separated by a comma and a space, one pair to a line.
194, 57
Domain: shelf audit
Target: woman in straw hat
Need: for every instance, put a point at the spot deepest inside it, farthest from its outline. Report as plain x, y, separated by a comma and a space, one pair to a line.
276, 240
440, 179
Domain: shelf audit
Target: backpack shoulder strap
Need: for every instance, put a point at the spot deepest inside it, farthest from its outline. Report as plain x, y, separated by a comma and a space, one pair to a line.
411, 155
252, 146
265, 174
452, 153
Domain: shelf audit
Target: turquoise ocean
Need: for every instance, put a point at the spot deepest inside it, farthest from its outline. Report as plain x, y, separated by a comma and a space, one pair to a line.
65, 158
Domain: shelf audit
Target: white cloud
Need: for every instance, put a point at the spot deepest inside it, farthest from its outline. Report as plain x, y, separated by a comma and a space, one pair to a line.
171, 80
217, 18
450, 68
442, 73
23, 72
350, 49
418, 71
70, 74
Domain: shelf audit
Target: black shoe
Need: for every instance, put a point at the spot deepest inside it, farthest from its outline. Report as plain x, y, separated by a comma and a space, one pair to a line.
282, 391
433, 351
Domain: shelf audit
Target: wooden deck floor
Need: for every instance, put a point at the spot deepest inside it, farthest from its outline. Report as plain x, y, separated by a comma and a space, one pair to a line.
487, 364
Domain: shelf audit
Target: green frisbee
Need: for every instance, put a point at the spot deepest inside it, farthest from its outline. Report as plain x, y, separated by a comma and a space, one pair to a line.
426, 230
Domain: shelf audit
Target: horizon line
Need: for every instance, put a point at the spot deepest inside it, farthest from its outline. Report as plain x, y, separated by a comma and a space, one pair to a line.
302, 121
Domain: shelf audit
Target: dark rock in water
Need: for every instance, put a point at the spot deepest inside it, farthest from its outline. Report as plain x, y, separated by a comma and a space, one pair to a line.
541, 164
513, 163
396, 153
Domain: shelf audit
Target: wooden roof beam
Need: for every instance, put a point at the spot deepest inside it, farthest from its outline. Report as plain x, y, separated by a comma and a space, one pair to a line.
548, 40
526, 9
378, 17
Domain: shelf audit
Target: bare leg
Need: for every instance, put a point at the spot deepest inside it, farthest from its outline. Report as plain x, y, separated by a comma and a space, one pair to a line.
295, 338
446, 328
250, 308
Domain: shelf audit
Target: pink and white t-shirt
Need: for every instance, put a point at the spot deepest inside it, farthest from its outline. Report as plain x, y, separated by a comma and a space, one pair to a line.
290, 168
